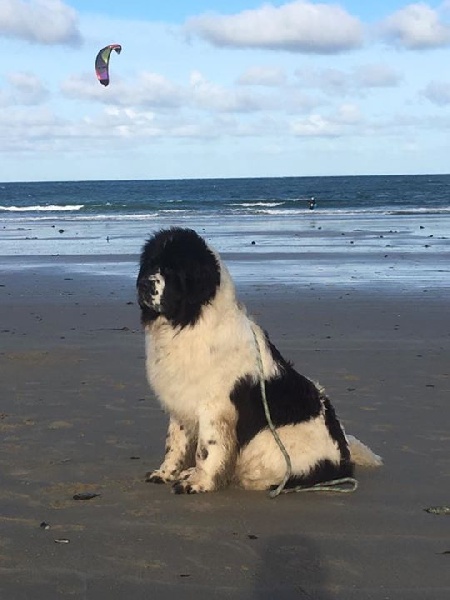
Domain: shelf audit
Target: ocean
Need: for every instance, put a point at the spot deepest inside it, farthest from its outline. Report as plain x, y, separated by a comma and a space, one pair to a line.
363, 230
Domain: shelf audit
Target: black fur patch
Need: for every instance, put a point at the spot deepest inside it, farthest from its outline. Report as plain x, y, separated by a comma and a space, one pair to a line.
190, 271
324, 470
149, 478
291, 397
179, 488
202, 453
335, 429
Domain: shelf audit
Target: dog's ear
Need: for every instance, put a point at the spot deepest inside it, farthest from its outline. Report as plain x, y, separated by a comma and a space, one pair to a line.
201, 279
191, 282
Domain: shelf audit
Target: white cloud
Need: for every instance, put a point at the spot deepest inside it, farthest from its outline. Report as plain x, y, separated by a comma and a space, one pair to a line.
141, 125
329, 81
210, 96
155, 91
339, 83
342, 121
376, 76
83, 87
315, 126
416, 27
348, 114
40, 130
40, 21
438, 92
29, 129
267, 76
27, 89
296, 27
148, 89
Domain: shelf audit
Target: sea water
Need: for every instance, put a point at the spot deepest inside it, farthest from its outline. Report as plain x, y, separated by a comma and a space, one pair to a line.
363, 229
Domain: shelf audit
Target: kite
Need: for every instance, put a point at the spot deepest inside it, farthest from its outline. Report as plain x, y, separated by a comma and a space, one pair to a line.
102, 62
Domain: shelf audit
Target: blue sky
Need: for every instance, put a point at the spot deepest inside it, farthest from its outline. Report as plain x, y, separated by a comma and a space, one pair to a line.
235, 88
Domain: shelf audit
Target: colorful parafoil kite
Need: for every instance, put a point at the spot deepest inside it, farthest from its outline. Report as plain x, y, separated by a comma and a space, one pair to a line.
102, 62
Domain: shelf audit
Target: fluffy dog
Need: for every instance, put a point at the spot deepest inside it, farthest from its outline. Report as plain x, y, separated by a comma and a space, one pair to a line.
205, 359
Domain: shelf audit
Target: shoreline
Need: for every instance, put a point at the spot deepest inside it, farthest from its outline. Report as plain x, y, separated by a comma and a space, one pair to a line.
393, 273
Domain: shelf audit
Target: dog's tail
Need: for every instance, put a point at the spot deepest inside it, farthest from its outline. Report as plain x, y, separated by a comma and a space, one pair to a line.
361, 454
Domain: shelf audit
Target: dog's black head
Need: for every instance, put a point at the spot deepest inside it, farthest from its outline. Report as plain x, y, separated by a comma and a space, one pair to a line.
178, 275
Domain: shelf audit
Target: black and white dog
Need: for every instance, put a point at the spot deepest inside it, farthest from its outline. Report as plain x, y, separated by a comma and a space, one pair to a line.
205, 357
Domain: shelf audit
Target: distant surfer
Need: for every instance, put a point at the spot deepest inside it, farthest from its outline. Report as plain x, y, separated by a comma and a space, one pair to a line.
312, 203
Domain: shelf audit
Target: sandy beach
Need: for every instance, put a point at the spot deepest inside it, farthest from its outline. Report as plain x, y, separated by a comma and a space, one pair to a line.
76, 415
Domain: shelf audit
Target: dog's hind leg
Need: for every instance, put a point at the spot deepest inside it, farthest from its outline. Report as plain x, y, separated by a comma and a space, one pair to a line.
180, 448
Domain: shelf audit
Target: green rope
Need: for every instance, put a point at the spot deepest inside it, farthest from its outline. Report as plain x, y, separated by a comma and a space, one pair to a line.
343, 485
275, 492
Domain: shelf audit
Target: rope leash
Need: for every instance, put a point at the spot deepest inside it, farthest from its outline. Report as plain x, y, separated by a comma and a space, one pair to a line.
275, 492
343, 485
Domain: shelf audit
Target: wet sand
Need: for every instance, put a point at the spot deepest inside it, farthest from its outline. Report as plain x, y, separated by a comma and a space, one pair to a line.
76, 415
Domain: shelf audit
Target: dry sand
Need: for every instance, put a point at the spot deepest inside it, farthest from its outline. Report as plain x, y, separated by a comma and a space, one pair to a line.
76, 415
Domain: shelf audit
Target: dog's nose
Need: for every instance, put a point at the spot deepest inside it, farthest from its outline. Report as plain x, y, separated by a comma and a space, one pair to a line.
148, 286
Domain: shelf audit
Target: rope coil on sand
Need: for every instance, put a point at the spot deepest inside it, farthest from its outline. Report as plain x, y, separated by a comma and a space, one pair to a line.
343, 485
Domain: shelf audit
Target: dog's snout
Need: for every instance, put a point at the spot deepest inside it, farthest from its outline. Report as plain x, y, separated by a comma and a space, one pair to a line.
148, 286
150, 290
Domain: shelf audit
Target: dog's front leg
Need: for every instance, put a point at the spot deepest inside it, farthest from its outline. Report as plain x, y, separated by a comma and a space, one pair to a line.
215, 456
180, 448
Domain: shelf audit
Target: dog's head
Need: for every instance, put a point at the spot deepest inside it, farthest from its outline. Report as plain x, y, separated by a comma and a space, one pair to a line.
179, 274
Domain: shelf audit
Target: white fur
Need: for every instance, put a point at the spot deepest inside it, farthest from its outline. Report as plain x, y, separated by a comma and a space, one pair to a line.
261, 462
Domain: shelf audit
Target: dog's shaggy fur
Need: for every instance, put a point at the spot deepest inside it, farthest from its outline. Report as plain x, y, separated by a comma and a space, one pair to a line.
202, 363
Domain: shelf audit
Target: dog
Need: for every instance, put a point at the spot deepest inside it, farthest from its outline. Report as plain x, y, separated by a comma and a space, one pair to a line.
208, 363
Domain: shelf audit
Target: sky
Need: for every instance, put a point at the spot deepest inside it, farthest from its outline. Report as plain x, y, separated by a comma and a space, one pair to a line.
230, 88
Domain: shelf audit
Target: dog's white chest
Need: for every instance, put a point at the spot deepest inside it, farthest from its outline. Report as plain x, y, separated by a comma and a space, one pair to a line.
180, 370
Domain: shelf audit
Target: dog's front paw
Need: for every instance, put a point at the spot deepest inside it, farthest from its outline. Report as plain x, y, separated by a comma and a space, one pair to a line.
159, 476
190, 482
184, 487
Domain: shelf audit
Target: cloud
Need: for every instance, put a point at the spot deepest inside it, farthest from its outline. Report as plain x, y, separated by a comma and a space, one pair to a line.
148, 90
210, 96
27, 89
266, 76
438, 92
138, 125
39, 129
30, 129
45, 22
376, 76
341, 122
154, 90
336, 82
295, 27
416, 27
347, 114
151, 90
315, 126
